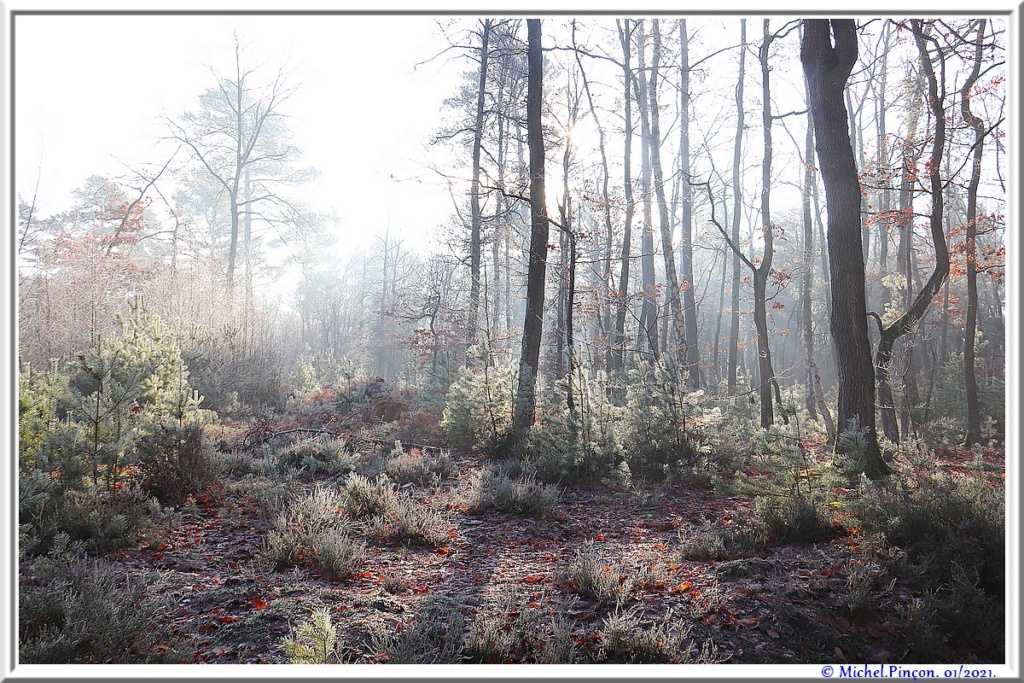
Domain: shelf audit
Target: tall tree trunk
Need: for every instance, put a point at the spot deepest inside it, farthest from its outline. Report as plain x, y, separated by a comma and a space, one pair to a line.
883, 170
648, 333
827, 68
737, 207
912, 316
654, 140
475, 217
686, 226
533, 325
973, 434
622, 298
815, 397
500, 232
766, 373
604, 308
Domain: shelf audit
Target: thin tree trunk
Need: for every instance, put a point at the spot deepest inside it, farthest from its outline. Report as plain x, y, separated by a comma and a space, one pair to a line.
973, 434
686, 226
815, 396
622, 299
604, 309
648, 332
475, 217
766, 373
668, 253
737, 205
912, 316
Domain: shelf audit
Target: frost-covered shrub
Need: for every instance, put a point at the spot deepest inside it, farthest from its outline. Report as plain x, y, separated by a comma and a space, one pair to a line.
323, 455
418, 467
666, 424
582, 443
478, 412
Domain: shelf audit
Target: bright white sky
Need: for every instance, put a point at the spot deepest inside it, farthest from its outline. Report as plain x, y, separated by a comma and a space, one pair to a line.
91, 91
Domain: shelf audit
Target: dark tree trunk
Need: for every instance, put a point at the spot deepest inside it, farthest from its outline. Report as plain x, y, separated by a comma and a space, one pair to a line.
737, 206
533, 325
973, 434
827, 68
815, 396
766, 372
915, 312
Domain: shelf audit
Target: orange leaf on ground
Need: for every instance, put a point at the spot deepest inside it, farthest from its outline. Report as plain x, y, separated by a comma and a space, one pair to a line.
260, 604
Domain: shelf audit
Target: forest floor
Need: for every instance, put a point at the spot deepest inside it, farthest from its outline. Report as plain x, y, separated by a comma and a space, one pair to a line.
783, 603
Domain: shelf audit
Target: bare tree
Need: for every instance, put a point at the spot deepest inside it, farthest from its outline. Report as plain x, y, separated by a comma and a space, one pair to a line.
625, 29
973, 434
239, 129
686, 225
737, 206
906, 322
654, 140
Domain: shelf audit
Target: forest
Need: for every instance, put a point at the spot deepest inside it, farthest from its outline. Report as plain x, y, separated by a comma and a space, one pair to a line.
703, 362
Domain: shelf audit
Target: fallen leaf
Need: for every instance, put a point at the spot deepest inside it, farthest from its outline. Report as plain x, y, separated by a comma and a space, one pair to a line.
260, 604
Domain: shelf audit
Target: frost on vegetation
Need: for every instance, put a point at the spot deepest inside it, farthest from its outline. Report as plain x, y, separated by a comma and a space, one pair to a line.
610, 582
626, 636
478, 410
313, 528
314, 641
413, 522
494, 488
436, 636
509, 625
321, 456
417, 467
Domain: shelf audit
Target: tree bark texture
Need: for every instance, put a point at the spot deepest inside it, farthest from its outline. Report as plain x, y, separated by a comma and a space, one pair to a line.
827, 67
533, 325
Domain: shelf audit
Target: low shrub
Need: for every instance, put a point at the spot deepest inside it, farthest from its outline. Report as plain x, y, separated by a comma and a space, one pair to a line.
511, 627
950, 531
415, 467
523, 495
362, 497
717, 542
435, 637
80, 611
412, 522
312, 529
593, 576
626, 637
321, 456
795, 518
176, 462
